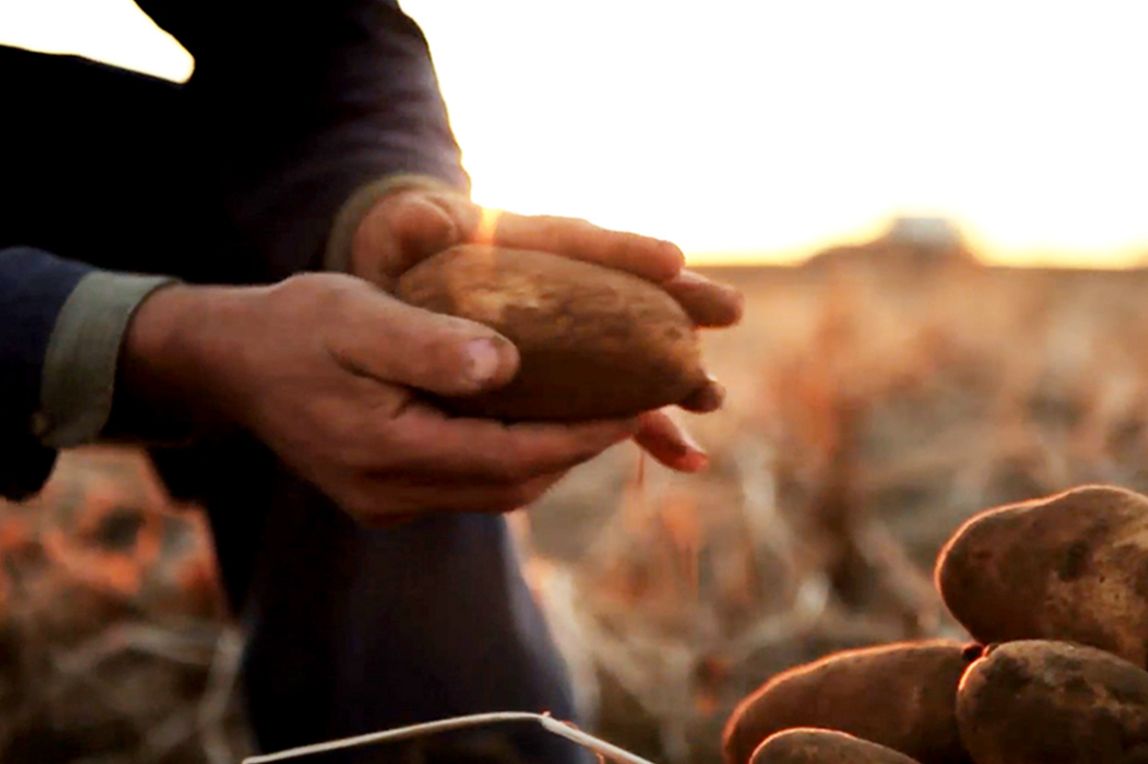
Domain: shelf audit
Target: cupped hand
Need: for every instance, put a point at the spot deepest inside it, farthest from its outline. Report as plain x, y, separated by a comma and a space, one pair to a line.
323, 368
414, 222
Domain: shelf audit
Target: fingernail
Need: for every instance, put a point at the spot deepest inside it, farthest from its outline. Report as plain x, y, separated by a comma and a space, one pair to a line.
715, 393
485, 360
690, 444
448, 233
695, 462
673, 250
738, 298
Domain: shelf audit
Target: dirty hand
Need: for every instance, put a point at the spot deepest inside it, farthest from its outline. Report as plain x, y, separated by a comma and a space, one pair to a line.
322, 368
412, 223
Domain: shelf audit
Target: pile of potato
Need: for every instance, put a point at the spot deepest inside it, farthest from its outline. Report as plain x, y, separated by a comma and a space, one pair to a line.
1055, 589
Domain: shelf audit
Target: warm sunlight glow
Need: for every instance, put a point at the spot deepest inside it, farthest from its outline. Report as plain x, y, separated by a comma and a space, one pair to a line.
487, 225
760, 130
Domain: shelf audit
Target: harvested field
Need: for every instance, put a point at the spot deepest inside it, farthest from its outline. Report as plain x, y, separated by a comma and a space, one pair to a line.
873, 406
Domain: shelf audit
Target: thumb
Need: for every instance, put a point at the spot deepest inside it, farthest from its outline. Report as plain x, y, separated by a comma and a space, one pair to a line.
394, 342
400, 230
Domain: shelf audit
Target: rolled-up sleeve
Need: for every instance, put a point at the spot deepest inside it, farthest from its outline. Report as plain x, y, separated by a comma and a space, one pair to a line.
61, 327
79, 373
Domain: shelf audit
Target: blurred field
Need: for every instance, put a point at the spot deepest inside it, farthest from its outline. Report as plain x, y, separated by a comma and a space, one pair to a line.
876, 399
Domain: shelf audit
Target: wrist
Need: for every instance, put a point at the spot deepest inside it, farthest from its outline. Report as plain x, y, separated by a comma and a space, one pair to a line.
179, 353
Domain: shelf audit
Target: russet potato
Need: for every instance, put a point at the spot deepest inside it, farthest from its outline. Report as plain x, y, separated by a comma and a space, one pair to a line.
594, 342
901, 696
1071, 567
818, 746
1044, 702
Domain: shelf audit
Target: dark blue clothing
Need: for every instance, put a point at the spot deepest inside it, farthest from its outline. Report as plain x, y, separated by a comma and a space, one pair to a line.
296, 104
235, 177
33, 288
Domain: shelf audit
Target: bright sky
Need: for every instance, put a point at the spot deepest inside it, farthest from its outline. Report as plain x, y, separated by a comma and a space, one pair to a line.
765, 129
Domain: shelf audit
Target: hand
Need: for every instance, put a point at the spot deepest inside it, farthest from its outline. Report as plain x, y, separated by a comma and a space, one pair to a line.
321, 368
412, 223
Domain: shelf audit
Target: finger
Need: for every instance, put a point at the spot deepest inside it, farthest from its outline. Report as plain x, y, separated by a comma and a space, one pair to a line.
649, 258
707, 302
467, 215
668, 442
707, 398
388, 340
432, 443
402, 229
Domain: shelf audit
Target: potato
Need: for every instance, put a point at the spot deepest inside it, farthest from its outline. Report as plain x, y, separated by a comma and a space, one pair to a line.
1038, 702
594, 342
900, 696
1071, 567
817, 746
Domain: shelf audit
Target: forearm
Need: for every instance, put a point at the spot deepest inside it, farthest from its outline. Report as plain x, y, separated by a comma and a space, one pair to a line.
176, 356
81, 368
34, 286
60, 328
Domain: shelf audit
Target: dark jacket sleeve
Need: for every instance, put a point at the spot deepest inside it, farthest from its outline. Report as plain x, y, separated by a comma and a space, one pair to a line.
301, 104
34, 286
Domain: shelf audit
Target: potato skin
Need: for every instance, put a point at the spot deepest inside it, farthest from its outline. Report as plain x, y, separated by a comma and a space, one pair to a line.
594, 342
901, 696
1070, 567
818, 746
1042, 702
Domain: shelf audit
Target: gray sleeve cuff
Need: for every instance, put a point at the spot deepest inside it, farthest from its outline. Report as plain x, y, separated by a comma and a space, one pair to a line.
338, 253
79, 372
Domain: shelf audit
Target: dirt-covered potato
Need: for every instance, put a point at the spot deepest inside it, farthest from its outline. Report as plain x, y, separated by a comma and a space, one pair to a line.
900, 696
1039, 702
1071, 567
816, 746
594, 342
